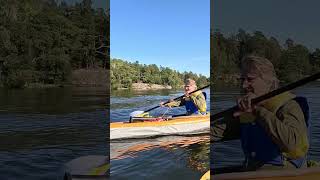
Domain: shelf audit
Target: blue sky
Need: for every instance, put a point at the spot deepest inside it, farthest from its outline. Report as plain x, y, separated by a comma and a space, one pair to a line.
283, 19
170, 33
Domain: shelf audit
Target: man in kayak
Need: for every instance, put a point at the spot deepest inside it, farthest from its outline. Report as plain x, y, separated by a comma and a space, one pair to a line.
195, 103
273, 133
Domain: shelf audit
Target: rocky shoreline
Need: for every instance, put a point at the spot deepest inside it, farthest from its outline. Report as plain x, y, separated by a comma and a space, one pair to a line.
227, 79
146, 86
90, 78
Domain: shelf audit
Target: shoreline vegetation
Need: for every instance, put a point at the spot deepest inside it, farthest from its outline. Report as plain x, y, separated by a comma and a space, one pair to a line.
136, 76
292, 61
79, 78
50, 44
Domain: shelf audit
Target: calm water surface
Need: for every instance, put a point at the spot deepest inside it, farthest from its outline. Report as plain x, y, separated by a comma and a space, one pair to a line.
169, 157
229, 153
42, 129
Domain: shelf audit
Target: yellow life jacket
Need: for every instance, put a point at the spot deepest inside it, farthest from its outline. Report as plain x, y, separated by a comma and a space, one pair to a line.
273, 105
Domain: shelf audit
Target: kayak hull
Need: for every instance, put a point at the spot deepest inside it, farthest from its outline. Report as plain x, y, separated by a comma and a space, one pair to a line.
177, 126
292, 174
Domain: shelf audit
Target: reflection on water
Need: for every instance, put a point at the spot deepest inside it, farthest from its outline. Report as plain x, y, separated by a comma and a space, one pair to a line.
131, 149
229, 153
52, 100
186, 155
169, 157
42, 129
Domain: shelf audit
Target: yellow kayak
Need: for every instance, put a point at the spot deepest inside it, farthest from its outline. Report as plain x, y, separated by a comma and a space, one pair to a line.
292, 174
180, 125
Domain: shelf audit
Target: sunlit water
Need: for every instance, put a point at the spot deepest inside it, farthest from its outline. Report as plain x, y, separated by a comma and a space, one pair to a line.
229, 153
42, 129
168, 157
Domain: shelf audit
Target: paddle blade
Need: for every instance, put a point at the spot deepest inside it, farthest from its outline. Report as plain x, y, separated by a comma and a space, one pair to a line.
139, 114
206, 176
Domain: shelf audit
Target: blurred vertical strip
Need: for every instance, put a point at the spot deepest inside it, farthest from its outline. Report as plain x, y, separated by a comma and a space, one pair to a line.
211, 75
107, 66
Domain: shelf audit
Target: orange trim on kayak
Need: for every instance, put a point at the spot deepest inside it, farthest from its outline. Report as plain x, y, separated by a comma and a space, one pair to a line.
174, 121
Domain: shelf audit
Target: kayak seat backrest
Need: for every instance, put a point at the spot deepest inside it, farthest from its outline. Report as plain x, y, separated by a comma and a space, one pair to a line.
205, 95
302, 101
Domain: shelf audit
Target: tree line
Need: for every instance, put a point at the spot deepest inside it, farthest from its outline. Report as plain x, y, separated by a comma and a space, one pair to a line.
124, 73
292, 60
42, 41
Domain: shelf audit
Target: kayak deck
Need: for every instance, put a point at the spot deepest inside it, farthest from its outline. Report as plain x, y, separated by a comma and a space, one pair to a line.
175, 120
173, 126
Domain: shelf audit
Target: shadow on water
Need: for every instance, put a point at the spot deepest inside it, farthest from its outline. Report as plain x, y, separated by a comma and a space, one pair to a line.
42, 129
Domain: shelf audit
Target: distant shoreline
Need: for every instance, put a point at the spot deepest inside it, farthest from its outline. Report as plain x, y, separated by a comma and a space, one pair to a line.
147, 87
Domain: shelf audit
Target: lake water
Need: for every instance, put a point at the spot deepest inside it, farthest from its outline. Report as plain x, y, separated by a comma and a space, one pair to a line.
42, 129
168, 157
229, 153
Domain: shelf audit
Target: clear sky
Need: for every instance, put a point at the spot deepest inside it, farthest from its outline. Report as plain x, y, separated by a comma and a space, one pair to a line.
295, 19
170, 33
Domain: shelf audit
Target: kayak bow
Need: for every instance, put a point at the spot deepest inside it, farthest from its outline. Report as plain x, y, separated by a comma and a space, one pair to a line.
289, 174
147, 127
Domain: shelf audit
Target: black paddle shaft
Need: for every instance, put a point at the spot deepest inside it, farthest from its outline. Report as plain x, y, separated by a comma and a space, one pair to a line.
269, 95
177, 98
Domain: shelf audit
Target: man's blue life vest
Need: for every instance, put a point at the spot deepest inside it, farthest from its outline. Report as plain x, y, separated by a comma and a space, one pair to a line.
191, 108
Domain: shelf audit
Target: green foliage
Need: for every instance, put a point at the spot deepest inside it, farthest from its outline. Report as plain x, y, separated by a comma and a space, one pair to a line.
53, 67
49, 40
291, 62
15, 73
124, 73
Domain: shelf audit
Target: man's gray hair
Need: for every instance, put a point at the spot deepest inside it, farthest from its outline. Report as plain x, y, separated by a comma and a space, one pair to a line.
263, 67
